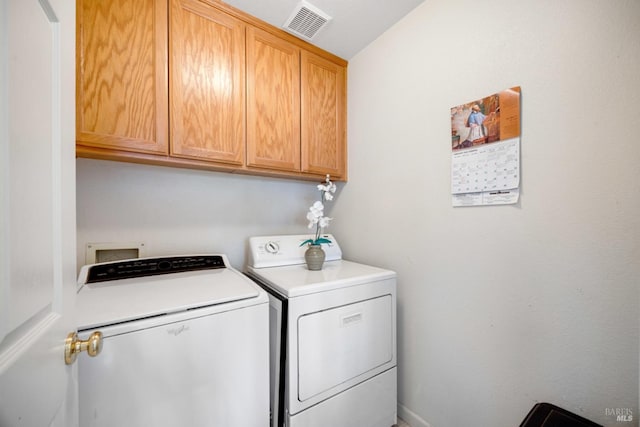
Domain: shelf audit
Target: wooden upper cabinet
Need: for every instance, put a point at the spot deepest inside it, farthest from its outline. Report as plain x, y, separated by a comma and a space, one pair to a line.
200, 84
323, 116
121, 75
207, 83
273, 102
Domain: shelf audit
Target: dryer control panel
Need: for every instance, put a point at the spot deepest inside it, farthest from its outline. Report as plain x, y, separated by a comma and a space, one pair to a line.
277, 251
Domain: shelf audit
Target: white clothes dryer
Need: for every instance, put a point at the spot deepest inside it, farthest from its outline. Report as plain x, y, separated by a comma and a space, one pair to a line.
185, 344
332, 336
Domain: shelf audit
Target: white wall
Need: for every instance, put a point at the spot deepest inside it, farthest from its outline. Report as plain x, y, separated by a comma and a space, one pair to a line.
175, 211
502, 307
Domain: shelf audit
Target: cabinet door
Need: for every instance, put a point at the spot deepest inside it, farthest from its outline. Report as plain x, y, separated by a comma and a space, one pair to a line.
121, 83
323, 116
207, 83
273, 102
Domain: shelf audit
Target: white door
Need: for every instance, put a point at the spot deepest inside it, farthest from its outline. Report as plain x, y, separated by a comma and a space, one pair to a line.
37, 208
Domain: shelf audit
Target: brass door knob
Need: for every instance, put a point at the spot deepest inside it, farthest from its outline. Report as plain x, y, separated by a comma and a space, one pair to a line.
73, 345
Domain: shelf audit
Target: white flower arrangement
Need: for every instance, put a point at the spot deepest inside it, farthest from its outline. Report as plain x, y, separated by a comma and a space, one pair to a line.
316, 217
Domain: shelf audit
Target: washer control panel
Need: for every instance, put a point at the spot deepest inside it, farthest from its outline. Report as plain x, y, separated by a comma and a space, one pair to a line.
141, 267
276, 251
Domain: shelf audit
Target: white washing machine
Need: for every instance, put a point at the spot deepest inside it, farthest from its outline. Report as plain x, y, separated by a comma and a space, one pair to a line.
185, 343
332, 336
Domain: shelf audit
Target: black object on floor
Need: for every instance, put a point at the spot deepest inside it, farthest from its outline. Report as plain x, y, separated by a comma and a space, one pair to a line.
548, 415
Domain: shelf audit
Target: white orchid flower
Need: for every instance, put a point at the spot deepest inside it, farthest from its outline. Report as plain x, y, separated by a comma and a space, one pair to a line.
313, 218
329, 187
316, 217
317, 209
324, 221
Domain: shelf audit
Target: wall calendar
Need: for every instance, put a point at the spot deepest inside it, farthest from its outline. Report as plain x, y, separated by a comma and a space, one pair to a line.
485, 146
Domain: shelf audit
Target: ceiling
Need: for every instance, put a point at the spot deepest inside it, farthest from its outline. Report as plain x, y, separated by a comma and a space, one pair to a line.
354, 23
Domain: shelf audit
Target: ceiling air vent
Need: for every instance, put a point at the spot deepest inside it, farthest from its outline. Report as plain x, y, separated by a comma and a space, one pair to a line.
306, 20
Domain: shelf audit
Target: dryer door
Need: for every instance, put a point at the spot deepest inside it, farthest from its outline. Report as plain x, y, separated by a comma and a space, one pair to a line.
341, 343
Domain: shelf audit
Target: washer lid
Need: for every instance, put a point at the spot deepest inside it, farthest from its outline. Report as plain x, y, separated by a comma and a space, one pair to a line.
107, 303
296, 280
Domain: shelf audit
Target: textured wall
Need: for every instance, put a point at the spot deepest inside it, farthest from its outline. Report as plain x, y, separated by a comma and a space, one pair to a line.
174, 211
501, 307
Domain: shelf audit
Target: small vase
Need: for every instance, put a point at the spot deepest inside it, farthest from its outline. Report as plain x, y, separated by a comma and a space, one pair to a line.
314, 256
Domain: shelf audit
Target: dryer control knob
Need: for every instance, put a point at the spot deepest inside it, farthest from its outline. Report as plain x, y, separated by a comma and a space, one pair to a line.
272, 247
